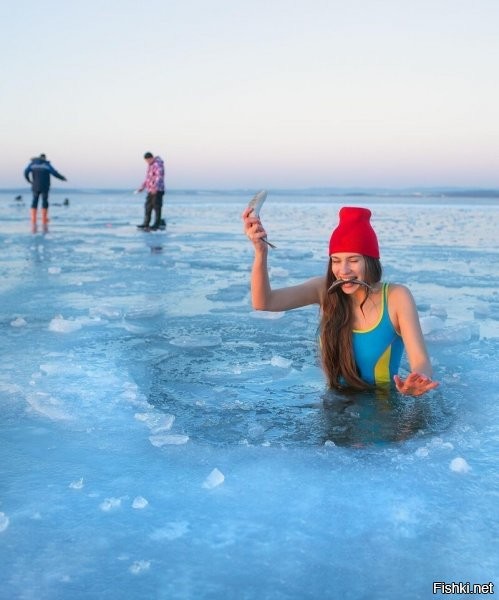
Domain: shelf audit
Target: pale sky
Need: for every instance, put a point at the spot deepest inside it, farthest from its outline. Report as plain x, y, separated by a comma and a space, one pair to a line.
262, 93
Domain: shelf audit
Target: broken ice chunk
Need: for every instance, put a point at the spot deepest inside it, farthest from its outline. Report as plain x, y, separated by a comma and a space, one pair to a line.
459, 465
139, 502
215, 478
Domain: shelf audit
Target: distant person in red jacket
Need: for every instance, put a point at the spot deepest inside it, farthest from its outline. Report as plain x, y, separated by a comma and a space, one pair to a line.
154, 184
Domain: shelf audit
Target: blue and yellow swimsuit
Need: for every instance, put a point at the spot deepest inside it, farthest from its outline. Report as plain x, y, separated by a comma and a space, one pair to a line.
378, 350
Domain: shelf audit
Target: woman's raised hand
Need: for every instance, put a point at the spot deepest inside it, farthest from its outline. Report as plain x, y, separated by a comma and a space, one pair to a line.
253, 228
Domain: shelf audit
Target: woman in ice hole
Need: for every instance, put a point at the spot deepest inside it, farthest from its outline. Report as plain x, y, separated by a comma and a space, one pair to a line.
365, 323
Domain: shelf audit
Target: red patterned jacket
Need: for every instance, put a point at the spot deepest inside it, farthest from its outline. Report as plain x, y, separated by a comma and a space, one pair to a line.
155, 176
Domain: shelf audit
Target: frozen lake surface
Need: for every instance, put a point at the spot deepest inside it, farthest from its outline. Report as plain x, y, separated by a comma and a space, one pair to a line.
161, 440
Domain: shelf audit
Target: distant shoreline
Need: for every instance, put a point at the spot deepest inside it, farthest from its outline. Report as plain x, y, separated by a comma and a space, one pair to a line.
432, 192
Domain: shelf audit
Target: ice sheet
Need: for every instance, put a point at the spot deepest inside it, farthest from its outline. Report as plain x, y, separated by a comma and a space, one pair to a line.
162, 440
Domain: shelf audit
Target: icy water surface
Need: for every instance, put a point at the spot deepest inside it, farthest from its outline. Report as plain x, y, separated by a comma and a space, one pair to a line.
162, 440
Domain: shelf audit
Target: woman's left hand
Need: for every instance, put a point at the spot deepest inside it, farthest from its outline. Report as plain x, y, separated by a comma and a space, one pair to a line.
415, 384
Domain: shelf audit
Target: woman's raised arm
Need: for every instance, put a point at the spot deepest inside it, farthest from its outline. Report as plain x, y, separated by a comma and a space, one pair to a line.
263, 297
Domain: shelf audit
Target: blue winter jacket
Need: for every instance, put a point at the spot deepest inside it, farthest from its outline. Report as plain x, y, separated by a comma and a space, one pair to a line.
40, 171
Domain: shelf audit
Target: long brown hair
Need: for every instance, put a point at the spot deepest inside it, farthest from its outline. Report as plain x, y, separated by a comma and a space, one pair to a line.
336, 327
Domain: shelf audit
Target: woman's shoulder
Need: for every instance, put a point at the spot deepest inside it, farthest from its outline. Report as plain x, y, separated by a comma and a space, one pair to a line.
317, 286
318, 282
398, 293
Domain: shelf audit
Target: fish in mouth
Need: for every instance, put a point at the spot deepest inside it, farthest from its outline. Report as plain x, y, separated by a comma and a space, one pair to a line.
340, 282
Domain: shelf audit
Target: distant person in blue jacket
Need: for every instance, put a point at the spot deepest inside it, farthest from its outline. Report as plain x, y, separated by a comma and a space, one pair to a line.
40, 170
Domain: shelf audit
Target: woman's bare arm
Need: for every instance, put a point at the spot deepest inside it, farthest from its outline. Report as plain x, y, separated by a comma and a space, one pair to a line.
263, 297
406, 320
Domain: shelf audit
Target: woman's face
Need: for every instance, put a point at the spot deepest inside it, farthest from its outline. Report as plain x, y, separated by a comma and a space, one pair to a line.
346, 266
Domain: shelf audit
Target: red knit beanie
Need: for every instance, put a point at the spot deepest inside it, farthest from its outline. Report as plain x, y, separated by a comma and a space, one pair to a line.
354, 233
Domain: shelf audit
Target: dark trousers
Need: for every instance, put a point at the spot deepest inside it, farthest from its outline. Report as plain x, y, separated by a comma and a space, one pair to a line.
154, 202
45, 199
